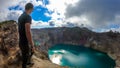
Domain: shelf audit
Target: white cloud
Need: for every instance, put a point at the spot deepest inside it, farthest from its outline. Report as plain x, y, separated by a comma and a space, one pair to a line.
78, 21
7, 14
13, 15
58, 7
107, 30
40, 24
47, 14
57, 23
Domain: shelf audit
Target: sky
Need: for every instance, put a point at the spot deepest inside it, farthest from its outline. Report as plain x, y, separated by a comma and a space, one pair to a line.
97, 15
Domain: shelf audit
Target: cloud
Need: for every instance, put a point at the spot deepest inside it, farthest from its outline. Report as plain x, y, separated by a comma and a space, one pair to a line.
6, 11
107, 30
40, 24
59, 7
58, 12
13, 15
7, 14
98, 13
94, 14
13, 9
51, 23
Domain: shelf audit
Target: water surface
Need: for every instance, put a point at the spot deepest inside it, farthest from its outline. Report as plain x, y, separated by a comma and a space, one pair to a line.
79, 57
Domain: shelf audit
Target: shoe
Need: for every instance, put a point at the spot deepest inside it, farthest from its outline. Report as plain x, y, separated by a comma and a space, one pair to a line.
24, 66
30, 63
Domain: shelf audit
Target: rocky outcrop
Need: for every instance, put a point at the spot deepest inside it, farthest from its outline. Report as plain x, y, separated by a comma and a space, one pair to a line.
108, 42
10, 56
8, 43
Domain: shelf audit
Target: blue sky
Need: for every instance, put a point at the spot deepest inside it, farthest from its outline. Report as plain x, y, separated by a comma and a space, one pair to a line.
39, 14
97, 15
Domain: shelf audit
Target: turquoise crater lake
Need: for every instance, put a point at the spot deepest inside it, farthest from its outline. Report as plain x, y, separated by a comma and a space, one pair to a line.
79, 57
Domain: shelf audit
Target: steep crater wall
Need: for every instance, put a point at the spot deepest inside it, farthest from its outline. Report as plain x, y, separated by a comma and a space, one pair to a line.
108, 42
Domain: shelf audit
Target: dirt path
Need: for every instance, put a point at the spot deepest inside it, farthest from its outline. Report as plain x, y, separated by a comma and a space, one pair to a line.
39, 63
43, 63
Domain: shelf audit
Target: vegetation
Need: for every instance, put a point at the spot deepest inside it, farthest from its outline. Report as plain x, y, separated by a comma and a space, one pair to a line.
6, 22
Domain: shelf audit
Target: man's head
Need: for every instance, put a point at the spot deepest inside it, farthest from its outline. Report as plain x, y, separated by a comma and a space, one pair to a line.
29, 8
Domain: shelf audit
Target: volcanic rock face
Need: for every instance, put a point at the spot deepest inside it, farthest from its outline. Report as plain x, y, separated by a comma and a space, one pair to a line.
8, 43
51, 36
108, 42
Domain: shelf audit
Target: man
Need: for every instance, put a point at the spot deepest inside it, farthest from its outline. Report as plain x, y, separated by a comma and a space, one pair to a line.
25, 37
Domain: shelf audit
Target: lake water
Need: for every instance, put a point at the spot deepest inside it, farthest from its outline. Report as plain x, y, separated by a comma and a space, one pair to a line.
79, 57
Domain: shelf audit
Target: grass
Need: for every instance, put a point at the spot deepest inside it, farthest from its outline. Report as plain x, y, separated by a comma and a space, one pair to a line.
6, 22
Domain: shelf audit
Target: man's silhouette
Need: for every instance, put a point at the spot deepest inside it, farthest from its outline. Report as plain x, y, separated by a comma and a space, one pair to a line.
25, 38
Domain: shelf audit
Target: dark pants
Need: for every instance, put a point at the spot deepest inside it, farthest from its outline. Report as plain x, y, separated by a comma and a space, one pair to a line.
26, 54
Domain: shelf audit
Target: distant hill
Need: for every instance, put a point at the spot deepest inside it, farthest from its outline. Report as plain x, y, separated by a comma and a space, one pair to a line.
74, 35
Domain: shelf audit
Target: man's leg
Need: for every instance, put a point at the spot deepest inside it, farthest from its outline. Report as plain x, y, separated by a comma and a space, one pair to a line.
30, 56
25, 55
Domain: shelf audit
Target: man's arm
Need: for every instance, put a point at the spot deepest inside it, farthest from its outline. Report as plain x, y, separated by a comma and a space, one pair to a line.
28, 34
